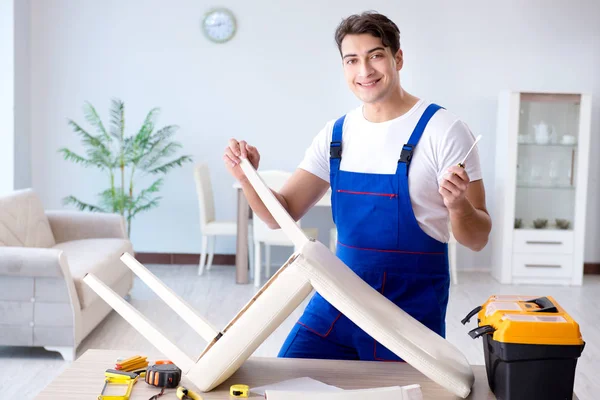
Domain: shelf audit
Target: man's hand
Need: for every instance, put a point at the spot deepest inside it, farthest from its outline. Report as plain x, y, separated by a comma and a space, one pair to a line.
465, 200
297, 196
454, 188
234, 152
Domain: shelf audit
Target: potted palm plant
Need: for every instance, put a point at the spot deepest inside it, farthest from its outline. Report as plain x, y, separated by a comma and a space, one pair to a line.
125, 158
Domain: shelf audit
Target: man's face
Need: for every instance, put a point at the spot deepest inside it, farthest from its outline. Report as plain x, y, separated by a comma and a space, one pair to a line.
371, 70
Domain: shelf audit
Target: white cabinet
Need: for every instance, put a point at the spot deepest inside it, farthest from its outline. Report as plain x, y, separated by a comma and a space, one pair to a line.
542, 155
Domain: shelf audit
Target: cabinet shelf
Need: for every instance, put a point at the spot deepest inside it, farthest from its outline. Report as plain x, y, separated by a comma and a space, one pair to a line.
540, 186
572, 146
549, 228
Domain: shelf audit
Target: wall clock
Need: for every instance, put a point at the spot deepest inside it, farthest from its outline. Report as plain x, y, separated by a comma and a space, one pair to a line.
219, 25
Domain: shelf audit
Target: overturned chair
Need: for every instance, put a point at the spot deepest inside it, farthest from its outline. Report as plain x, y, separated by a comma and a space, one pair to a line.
312, 266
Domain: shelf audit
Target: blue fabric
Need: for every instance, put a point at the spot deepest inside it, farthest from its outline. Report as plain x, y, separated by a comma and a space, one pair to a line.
380, 240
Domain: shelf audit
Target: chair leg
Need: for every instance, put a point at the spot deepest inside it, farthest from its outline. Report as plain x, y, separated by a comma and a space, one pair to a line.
203, 255
211, 251
257, 266
332, 240
250, 249
267, 261
452, 259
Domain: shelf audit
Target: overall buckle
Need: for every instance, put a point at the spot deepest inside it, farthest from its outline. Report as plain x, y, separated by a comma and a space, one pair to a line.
406, 154
335, 150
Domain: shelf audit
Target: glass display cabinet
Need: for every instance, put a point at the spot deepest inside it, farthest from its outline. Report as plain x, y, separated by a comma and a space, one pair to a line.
542, 155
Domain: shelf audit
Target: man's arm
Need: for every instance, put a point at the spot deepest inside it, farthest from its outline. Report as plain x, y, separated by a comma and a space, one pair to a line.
302, 191
471, 223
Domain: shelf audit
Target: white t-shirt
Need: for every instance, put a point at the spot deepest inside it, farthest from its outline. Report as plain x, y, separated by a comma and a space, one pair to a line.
370, 147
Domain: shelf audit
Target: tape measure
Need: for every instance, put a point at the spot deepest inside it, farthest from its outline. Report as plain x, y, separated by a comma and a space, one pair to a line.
239, 390
163, 374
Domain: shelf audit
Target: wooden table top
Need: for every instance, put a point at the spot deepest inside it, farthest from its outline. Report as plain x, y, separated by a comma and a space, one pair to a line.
84, 379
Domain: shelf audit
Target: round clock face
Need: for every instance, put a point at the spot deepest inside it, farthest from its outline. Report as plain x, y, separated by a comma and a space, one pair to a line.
219, 25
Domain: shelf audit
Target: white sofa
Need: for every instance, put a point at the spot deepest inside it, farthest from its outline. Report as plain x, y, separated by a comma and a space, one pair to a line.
43, 257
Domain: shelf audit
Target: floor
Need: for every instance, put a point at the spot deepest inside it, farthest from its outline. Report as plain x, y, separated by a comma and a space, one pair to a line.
218, 298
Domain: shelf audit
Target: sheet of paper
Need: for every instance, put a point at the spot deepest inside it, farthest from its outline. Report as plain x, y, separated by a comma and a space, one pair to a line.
299, 384
411, 392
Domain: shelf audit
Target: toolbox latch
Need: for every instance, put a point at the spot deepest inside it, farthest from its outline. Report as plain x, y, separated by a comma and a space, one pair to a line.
469, 315
481, 330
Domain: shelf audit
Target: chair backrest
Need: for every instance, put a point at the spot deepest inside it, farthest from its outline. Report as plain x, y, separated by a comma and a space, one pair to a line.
206, 200
275, 180
23, 221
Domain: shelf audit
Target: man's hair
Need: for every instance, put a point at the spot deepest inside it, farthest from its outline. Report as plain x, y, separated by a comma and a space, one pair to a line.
370, 22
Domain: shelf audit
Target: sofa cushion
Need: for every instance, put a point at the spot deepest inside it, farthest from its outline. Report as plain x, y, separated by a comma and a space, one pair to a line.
23, 222
98, 256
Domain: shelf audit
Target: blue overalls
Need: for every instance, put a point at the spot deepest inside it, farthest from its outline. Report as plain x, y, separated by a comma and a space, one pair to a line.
380, 240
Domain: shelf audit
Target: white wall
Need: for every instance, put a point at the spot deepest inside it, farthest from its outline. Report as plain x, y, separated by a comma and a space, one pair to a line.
22, 81
280, 80
7, 66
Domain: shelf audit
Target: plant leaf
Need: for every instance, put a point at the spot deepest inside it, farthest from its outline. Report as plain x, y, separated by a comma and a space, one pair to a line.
157, 153
172, 164
81, 205
112, 199
117, 119
153, 203
97, 151
94, 119
145, 131
76, 158
154, 188
164, 133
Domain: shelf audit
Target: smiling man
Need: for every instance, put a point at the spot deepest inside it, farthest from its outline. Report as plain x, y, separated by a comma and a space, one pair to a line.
392, 166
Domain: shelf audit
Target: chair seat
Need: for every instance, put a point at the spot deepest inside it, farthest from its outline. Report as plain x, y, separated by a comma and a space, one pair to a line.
98, 256
226, 228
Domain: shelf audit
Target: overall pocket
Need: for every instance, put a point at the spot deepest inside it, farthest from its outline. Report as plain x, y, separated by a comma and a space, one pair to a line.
367, 220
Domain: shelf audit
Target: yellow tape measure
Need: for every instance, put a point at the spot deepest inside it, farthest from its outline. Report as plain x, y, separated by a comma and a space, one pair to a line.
239, 390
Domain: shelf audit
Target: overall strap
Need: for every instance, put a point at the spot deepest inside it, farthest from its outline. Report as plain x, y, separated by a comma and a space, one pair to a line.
335, 148
408, 148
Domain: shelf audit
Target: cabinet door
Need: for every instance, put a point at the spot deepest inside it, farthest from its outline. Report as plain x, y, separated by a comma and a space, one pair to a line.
547, 159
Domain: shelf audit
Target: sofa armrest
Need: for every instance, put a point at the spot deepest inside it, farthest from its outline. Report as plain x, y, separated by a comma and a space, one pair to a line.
31, 261
76, 225
47, 264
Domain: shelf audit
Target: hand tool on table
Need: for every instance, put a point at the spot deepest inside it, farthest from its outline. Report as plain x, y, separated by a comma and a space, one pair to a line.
114, 378
163, 374
186, 394
131, 364
239, 390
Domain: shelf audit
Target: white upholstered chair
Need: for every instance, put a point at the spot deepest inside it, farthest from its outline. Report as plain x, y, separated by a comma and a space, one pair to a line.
209, 226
